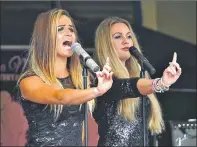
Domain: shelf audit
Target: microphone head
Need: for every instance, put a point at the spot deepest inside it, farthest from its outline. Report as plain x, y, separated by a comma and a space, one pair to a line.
132, 49
135, 52
75, 46
142, 60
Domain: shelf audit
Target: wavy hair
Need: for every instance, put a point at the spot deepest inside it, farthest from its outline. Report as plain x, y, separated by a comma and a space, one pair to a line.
104, 48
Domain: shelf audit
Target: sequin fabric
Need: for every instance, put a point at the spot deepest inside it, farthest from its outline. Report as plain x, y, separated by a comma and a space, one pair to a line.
45, 131
113, 129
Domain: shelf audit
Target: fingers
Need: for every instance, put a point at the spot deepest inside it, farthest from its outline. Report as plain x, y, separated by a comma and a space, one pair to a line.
174, 58
174, 69
179, 71
106, 72
107, 68
99, 74
110, 75
171, 70
176, 66
107, 61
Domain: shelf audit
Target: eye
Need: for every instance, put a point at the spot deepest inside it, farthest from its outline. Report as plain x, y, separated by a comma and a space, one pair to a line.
117, 36
60, 29
129, 37
71, 29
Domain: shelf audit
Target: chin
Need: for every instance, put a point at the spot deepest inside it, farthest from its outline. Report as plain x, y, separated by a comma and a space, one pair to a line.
126, 57
68, 53
65, 54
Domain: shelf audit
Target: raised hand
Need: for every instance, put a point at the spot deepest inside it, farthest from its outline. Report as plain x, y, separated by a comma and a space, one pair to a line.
172, 72
104, 78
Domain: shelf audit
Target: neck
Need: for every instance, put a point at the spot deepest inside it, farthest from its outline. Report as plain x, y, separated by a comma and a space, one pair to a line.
123, 62
61, 70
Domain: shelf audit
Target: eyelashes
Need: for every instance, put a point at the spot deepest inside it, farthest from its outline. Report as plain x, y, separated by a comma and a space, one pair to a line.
129, 37
119, 36
62, 28
71, 29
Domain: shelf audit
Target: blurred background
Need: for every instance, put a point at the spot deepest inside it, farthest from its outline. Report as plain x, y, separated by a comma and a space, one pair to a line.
162, 27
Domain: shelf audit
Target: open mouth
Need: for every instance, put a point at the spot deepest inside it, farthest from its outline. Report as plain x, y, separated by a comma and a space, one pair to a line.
67, 43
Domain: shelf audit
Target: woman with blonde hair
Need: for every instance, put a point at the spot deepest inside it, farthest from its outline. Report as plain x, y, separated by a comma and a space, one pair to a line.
52, 91
118, 111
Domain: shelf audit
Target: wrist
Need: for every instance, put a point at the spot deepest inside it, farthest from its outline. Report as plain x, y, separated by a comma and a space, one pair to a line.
158, 86
96, 92
163, 84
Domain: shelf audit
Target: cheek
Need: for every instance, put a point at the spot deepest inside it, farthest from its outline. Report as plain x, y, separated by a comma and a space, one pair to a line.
74, 38
59, 36
131, 44
116, 45
118, 52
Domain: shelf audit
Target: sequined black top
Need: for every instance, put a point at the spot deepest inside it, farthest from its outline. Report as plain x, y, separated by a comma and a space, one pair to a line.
45, 131
113, 129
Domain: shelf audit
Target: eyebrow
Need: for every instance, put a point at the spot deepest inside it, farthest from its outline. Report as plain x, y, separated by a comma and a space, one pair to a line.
120, 33
65, 25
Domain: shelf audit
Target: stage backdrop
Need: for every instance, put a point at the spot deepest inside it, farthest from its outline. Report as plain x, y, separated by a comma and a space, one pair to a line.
13, 122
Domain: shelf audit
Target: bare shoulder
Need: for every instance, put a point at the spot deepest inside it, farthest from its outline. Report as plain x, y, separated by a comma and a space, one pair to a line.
35, 89
31, 84
31, 81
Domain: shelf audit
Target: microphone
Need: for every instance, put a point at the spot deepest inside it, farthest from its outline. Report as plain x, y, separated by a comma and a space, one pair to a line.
142, 60
89, 62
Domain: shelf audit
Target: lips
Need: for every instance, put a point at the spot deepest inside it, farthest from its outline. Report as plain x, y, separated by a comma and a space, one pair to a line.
125, 48
67, 45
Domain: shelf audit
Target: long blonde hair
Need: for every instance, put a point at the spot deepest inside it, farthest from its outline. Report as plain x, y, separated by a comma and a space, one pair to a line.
104, 48
42, 55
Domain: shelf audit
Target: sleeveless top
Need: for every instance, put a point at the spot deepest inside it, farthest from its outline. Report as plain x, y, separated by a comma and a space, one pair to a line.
45, 131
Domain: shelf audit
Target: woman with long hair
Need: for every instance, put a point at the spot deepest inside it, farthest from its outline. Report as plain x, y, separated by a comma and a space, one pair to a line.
51, 87
118, 111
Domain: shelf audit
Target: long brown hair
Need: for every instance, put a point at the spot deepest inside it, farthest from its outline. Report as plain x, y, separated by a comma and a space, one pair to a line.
104, 48
42, 54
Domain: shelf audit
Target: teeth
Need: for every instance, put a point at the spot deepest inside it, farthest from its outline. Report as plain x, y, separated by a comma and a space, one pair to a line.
67, 43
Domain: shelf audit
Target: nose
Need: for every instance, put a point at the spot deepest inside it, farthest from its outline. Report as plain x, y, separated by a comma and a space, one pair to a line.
125, 40
67, 32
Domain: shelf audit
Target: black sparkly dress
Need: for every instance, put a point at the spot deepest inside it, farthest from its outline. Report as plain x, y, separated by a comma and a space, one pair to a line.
45, 131
113, 129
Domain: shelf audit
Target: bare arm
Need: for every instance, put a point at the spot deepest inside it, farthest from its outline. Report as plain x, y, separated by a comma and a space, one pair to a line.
145, 86
34, 89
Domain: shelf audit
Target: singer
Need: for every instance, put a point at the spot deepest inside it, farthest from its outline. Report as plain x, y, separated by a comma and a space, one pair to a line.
118, 111
51, 87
